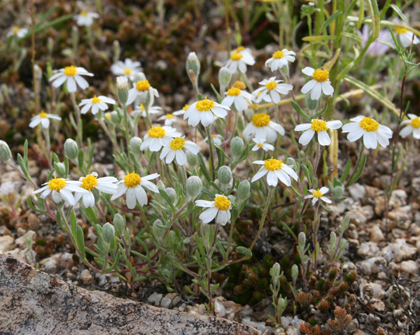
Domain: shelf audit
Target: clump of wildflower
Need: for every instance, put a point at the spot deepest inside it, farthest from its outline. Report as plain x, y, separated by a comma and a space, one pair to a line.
319, 84
43, 119
72, 76
127, 68
85, 18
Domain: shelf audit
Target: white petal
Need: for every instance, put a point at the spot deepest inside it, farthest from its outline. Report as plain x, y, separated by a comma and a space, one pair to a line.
324, 138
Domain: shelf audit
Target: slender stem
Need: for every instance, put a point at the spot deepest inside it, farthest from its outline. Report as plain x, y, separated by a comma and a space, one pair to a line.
315, 232
235, 123
210, 140
267, 205
108, 133
79, 124
232, 227
359, 159
33, 55
227, 26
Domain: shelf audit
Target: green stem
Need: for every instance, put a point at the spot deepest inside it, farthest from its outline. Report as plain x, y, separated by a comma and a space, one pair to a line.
232, 227
267, 205
79, 123
210, 140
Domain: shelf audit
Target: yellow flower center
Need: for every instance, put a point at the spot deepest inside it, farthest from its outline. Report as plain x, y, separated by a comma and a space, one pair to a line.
177, 143
271, 85
222, 203
127, 71
239, 49
70, 71
369, 124
15, 30
205, 105
142, 107
84, 13
132, 180
169, 116
273, 164
43, 115
239, 84
108, 116
321, 75
186, 107
278, 54
89, 182
156, 132
259, 145
317, 193
415, 123
234, 91
260, 120
401, 30
319, 125
214, 136
95, 99
56, 184
235, 56
142, 85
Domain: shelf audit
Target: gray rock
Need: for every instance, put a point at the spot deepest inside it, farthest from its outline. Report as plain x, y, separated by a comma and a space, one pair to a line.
260, 326
34, 302
398, 251
86, 277
368, 249
357, 191
21, 241
155, 299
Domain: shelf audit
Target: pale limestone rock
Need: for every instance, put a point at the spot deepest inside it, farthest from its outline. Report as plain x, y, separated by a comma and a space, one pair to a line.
86, 277
219, 309
398, 199
21, 241
368, 249
372, 265
357, 191
6, 243
376, 234
410, 267
398, 251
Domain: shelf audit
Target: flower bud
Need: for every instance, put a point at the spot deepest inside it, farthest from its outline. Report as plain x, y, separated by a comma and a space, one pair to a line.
295, 272
275, 271
5, 153
284, 70
302, 239
243, 189
115, 117
135, 144
50, 45
237, 146
108, 232
117, 50
225, 76
159, 230
333, 239
160, 184
194, 187
171, 194
119, 223
224, 174
60, 168
122, 89
191, 159
312, 105
193, 64
71, 149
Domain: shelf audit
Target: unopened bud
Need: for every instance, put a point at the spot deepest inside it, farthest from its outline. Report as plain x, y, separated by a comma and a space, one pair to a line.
5, 153
225, 174
160, 184
333, 239
237, 147
225, 76
159, 230
122, 89
295, 272
275, 271
115, 117
302, 239
171, 194
60, 168
284, 69
119, 223
135, 144
312, 105
243, 189
71, 149
108, 232
194, 187
193, 64
191, 159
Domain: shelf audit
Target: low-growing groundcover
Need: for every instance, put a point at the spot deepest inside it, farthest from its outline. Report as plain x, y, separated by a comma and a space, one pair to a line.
260, 152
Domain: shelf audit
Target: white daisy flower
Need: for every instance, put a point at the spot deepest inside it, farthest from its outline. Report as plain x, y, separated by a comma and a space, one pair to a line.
219, 209
217, 139
275, 170
318, 195
204, 111
18, 32
175, 149
142, 111
73, 76
239, 98
43, 119
158, 137
90, 182
61, 190
182, 111
280, 59
406, 37
239, 59
260, 144
169, 119
261, 126
96, 103
320, 83
271, 90
372, 132
317, 126
85, 18
412, 126
140, 90
127, 68
132, 185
